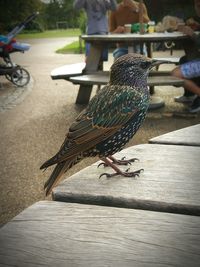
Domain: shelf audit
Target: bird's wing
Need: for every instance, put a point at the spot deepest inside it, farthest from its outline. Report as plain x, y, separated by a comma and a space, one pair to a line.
106, 113
114, 107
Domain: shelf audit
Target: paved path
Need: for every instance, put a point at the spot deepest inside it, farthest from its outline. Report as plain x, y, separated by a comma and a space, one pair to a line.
33, 128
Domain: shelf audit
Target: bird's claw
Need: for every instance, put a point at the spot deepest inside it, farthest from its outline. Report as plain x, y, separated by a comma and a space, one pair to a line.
133, 174
102, 163
124, 161
108, 175
125, 174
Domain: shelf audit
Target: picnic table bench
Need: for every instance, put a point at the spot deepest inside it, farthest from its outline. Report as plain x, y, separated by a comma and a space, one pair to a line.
86, 79
102, 77
98, 43
67, 71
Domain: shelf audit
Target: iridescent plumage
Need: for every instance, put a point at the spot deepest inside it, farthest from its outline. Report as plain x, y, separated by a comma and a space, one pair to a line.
110, 120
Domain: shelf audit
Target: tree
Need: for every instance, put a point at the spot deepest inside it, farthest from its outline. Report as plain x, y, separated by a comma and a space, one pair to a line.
61, 10
15, 11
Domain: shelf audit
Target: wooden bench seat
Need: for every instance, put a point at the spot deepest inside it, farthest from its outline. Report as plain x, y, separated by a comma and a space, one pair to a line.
67, 71
173, 60
71, 70
51, 233
74, 73
102, 78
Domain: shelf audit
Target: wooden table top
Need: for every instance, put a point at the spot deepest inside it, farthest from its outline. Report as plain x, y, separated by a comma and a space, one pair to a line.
170, 181
51, 233
189, 136
136, 37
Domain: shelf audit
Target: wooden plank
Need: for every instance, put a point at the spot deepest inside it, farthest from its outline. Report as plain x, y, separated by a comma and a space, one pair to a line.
136, 38
170, 181
189, 136
103, 78
160, 73
66, 71
83, 95
173, 60
59, 234
164, 80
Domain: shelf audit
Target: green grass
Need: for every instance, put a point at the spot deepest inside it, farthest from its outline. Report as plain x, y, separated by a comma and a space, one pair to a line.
71, 48
50, 34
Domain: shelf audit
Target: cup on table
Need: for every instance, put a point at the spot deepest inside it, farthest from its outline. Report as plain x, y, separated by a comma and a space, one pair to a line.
135, 27
151, 27
127, 28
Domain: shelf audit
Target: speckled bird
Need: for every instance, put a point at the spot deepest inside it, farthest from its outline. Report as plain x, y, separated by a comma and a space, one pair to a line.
110, 120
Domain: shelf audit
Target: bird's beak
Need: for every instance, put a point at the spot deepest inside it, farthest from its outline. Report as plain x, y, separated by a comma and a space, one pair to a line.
155, 62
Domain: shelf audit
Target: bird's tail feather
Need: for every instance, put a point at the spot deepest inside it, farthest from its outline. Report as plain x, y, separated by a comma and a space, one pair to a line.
49, 162
56, 175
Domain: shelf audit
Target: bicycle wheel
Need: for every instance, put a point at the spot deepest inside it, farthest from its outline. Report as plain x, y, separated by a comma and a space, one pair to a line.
8, 72
20, 77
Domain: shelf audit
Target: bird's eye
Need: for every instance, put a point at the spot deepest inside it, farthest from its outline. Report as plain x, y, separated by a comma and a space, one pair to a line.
145, 65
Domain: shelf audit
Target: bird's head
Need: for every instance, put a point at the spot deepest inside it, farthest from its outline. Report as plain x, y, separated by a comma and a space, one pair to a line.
131, 69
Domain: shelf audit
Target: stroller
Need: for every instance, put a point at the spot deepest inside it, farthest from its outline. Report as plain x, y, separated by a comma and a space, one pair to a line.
13, 72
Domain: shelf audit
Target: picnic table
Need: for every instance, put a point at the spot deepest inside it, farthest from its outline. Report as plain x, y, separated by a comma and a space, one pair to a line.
83, 74
150, 220
51, 233
99, 42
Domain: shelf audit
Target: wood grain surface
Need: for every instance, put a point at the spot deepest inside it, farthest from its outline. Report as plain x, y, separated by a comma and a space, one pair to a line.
170, 181
134, 37
189, 136
60, 234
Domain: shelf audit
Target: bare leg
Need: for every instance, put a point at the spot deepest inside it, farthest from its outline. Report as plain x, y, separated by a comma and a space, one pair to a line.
192, 87
188, 84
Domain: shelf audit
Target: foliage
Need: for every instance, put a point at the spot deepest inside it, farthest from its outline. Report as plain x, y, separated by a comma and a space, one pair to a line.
59, 12
82, 22
13, 12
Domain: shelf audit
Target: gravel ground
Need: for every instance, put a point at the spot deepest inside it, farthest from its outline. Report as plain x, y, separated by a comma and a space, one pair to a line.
34, 121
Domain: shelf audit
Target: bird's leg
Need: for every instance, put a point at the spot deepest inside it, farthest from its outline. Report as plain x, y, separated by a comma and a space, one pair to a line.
121, 161
118, 171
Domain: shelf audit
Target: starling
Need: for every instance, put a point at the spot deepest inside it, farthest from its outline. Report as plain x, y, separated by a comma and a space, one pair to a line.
110, 120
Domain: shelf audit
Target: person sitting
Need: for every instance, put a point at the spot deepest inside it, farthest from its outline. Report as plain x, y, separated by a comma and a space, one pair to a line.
194, 23
127, 13
190, 70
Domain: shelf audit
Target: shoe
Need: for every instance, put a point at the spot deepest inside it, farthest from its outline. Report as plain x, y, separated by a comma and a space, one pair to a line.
184, 99
195, 106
